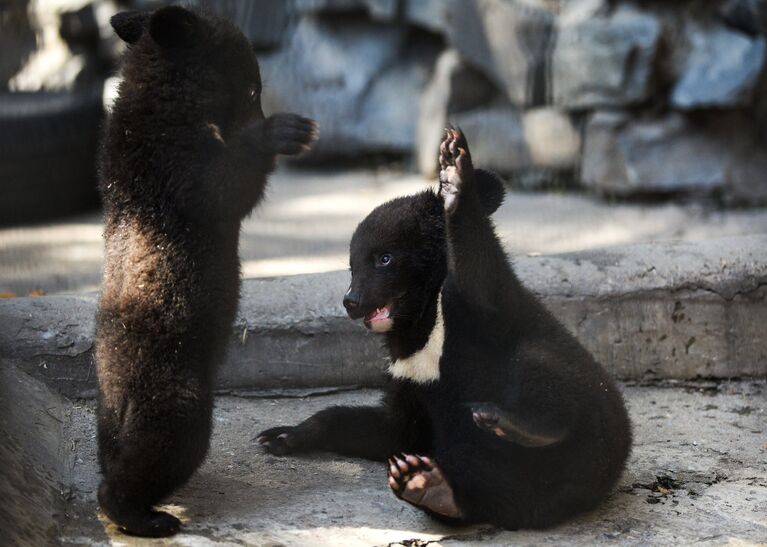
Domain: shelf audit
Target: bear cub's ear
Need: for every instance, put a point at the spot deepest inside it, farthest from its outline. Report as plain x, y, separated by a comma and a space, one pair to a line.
490, 189
129, 25
174, 27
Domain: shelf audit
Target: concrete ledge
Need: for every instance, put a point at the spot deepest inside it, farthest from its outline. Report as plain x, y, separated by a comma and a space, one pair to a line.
660, 310
35, 459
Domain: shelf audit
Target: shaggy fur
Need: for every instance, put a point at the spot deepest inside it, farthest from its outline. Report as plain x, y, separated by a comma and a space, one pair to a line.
185, 157
517, 424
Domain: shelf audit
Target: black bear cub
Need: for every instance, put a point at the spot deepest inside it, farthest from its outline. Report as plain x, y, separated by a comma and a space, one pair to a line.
185, 157
495, 413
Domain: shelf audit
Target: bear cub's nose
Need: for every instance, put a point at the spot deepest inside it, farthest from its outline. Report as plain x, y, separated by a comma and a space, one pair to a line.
351, 301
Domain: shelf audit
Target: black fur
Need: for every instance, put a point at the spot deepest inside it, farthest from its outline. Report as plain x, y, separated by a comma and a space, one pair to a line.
185, 157
526, 427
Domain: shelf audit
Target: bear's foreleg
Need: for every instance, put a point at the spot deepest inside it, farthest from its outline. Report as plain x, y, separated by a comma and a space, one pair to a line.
147, 450
235, 168
477, 263
363, 432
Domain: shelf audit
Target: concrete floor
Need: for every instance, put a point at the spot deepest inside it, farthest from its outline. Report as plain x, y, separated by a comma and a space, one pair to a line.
309, 216
698, 474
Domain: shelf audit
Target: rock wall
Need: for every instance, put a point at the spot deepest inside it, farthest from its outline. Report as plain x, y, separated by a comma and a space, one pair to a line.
621, 97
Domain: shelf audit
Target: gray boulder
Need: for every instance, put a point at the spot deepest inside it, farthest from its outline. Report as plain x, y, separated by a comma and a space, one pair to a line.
434, 15
514, 142
389, 110
625, 157
747, 183
497, 138
721, 69
508, 41
377, 9
361, 82
675, 153
750, 16
553, 141
604, 60
263, 22
454, 87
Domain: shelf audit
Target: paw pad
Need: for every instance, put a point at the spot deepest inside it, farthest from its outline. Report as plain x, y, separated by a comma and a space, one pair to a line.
454, 163
418, 481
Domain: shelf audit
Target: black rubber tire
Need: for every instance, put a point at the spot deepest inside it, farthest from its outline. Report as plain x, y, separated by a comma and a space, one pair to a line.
48, 147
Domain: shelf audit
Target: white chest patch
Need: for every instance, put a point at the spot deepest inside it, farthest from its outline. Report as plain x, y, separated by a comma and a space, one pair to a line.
423, 366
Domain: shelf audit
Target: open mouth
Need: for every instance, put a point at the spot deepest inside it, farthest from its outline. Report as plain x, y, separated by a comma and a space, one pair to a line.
380, 320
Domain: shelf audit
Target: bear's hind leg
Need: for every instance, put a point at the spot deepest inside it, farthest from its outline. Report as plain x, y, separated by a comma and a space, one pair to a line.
149, 459
137, 519
486, 486
420, 482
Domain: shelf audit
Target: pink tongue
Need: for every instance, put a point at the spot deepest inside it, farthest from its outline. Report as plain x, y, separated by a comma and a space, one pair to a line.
380, 313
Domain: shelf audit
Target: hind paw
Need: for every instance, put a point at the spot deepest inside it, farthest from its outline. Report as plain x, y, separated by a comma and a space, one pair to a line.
159, 525
489, 418
136, 520
418, 481
456, 171
492, 419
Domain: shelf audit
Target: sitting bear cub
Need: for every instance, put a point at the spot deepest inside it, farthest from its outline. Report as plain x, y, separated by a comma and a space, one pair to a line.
185, 157
495, 412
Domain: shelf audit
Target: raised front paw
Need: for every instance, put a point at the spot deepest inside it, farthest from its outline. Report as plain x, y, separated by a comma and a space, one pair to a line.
288, 134
420, 482
280, 440
456, 171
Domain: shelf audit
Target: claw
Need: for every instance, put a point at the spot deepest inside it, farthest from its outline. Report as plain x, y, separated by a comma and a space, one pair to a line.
413, 460
401, 464
393, 469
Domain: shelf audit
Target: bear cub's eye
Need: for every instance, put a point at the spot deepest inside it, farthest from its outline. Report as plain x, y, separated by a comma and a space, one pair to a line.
253, 94
384, 259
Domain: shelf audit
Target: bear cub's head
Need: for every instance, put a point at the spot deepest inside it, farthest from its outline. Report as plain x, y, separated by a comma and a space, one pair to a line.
398, 257
179, 56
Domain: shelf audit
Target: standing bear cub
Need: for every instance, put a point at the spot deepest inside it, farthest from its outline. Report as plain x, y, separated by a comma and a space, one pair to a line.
185, 157
495, 412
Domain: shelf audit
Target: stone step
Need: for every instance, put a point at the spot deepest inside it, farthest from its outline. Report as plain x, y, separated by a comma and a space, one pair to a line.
647, 311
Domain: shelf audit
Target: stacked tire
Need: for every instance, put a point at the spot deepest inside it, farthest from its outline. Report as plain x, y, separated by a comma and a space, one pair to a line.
48, 148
